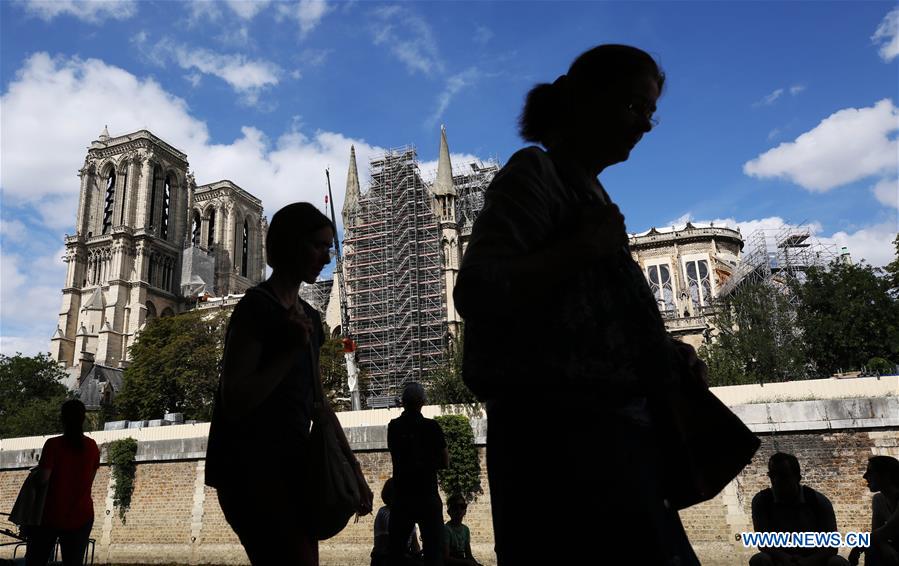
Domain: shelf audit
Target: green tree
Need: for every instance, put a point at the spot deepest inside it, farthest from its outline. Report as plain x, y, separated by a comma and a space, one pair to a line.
444, 383
463, 475
175, 367
756, 340
892, 268
30, 395
334, 375
848, 317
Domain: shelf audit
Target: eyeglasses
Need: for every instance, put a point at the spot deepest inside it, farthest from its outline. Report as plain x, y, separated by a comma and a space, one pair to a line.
642, 109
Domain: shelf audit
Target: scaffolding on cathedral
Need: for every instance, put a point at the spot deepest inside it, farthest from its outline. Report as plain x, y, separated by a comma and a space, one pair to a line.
393, 279
471, 184
780, 256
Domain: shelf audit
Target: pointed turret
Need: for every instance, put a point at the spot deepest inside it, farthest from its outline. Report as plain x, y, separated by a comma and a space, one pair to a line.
104, 135
353, 192
444, 183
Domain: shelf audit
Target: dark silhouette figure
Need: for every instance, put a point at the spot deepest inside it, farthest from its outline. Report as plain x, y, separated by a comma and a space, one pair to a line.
787, 506
68, 465
883, 480
379, 554
258, 450
563, 336
418, 449
456, 536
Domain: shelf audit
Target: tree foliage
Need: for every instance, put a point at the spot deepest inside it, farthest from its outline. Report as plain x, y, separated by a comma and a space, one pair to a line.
334, 374
757, 338
30, 395
463, 475
121, 455
848, 317
444, 383
175, 367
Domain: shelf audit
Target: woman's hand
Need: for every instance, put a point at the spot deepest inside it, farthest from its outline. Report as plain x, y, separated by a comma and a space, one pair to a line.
366, 497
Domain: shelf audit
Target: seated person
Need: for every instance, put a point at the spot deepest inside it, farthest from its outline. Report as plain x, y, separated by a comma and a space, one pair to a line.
883, 479
790, 507
457, 538
379, 554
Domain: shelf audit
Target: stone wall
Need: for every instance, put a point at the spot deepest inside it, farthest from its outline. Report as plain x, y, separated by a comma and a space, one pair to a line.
174, 518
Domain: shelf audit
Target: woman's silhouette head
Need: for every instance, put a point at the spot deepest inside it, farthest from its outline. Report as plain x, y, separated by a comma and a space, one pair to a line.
298, 242
72, 414
599, 109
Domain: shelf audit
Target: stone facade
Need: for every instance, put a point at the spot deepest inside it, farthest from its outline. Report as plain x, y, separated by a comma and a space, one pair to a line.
175, 519
686, 267
141, 227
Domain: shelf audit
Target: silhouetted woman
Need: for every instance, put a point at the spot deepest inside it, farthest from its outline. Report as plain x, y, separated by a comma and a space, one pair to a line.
563, 337
258, 441
68, 465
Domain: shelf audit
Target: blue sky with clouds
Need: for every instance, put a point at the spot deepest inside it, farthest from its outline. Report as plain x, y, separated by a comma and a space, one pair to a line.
774, 112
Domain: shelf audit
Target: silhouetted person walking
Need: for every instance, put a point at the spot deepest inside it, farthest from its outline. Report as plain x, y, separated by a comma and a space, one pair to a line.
418, 449
789, 507
68, 465
563, 336
882, 475
258, 442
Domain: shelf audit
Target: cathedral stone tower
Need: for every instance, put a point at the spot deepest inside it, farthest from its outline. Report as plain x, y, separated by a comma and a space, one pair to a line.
444, 191
127, 261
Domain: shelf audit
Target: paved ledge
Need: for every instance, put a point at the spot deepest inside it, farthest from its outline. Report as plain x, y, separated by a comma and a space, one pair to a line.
825, 414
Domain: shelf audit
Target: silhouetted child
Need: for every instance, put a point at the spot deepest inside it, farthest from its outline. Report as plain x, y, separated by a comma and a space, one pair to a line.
456, 536
882, 476
380, 552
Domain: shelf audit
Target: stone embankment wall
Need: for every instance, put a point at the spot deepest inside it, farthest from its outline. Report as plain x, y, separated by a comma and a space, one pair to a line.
175, 518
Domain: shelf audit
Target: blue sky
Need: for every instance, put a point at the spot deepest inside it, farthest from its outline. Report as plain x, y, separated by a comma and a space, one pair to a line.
774, 112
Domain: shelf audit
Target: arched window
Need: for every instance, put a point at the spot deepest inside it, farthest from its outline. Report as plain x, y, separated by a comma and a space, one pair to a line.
166, 200
151, 311
124, 192
157, 173
110, 201
245, 249
210, 236
195, 232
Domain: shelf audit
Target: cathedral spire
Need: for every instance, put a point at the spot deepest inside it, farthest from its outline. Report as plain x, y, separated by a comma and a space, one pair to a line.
444, 183
104, 135
353, 192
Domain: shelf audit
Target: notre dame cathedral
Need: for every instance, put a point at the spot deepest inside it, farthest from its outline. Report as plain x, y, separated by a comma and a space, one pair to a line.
148, 241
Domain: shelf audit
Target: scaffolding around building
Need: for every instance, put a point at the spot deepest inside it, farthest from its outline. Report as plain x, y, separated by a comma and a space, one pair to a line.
779, 257
393, 278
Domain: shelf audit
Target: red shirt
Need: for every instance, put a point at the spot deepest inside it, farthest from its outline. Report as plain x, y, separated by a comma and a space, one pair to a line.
69, 505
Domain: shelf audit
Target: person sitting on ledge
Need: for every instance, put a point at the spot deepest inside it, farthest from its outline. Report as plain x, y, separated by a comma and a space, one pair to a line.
456, 536
788, 507
883, 479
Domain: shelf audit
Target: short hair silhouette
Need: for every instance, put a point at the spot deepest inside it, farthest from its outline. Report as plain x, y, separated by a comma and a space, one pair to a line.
548, 106
387, 492
413, 395
779, 457
887, 466
456, 501
289, 225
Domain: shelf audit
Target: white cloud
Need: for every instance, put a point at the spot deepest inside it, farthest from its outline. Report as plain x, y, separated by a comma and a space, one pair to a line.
307, 13
796, 89
454, 84
92, 11
769, 99
247, 9
314, 57
409, 38
887, 34
886, 191
246, 76
194, 79
482, 34
459, 160
12, 230
80, 96
871, 243
25, 345
847, 146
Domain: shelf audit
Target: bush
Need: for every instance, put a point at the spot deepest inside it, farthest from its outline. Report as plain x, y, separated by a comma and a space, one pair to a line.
121, 455
463, 475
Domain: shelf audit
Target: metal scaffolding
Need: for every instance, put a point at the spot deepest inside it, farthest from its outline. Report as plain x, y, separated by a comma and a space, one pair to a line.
779, 256
393, 274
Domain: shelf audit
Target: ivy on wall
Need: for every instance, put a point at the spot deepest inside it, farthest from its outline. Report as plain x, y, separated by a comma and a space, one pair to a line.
121, 454
463, 475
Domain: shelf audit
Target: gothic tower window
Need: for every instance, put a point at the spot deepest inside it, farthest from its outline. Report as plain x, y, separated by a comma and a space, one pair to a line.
210, 236
660, 283
124, 192
245, 249
699, 283
195, 232
166, 200
156, 174
110, 201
